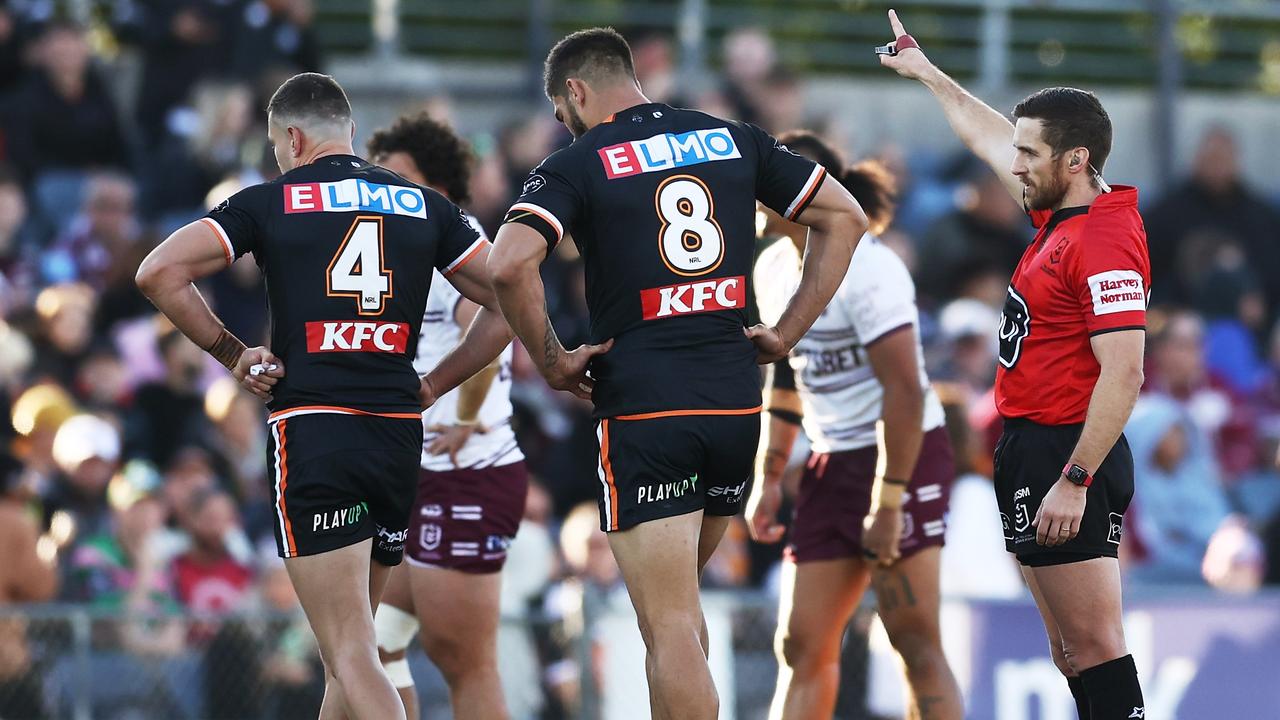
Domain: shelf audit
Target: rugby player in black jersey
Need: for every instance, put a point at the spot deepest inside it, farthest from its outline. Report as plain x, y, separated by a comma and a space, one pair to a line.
661, 204
347, 250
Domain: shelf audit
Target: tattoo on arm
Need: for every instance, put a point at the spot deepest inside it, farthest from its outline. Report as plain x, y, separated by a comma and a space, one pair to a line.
551, 343
926, 706
227, 349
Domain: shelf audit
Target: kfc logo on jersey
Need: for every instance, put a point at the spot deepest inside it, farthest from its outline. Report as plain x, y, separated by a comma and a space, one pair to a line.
1117, 291
352, 336
667, 152
694, 297
354, 195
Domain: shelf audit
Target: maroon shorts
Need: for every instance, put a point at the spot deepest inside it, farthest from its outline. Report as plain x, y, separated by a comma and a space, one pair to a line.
835, 497
465, 519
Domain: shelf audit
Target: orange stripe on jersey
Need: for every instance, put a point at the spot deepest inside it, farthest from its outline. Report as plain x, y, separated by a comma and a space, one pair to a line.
470, 256
529, 209
222, 239
689, 413
608, 475
817, 183
337, 410
284, 484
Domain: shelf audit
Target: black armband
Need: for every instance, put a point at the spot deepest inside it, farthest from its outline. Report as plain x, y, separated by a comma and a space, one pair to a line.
786, 416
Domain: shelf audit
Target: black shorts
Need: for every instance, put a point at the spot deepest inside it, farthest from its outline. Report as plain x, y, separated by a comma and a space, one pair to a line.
338, 479
1029, 460
663, 465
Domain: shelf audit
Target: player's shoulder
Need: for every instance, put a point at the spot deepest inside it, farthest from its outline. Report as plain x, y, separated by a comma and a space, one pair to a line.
1113, 223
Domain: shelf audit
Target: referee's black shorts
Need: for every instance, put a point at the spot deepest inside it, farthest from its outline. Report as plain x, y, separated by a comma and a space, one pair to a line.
1029, 460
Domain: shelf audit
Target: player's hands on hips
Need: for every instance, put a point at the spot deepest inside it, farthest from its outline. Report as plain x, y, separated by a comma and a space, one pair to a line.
1059, 516
569, 372
258, 371
882, 535
450, 439
762, 511
909, 62
770, 345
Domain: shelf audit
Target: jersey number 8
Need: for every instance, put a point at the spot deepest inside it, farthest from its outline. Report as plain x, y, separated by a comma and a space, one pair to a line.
690, 240
357, 268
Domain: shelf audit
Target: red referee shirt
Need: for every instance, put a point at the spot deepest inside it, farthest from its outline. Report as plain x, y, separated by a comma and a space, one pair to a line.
1087, 273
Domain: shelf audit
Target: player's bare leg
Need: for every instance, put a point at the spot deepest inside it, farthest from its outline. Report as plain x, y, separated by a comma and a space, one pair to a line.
907, 598
809, 634
1082, 600
1056, 646
338, 591
459, 630
397, 595
659, 563
713, 527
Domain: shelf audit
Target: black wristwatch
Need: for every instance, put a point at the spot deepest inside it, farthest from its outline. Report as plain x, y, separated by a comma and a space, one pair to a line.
1077, 475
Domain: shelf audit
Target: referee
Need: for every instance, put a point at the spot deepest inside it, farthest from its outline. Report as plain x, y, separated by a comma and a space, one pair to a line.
1071, 344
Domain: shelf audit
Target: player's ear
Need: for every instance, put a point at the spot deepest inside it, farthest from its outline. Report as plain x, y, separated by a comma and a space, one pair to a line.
296, 141
1079, 160
577, 91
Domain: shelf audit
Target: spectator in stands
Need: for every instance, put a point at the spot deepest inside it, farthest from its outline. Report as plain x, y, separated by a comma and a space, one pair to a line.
1235, 311
36, 416
182, 42
1179, 499
29, 574
120, 569
87, 452
276, 37
1212, 204
969, 347
1177, 369
654, 57
214, 575
292, 676
102, 244
63, 117
987, 231
11, 65
101, 380
239, 446
749, 57
17, 273
65, 313
169, 414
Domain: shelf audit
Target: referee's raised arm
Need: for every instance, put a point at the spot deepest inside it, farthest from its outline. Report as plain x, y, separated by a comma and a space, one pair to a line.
983, 129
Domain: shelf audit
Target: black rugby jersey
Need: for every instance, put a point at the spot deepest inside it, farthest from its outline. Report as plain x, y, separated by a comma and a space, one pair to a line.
347, 249
661, 204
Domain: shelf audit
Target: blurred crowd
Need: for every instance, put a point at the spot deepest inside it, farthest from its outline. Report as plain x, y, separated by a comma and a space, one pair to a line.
133, 471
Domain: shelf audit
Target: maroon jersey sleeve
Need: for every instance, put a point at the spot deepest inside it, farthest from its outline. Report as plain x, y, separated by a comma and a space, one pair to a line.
1111, 272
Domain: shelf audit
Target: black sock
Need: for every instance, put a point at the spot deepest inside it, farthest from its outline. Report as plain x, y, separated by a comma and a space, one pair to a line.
1082, 700
1113, 691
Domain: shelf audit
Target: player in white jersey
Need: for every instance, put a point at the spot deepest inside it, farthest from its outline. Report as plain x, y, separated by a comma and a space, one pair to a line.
873, 498
471, 493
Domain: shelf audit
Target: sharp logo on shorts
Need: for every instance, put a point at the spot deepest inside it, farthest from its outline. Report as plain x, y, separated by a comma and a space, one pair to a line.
1006, 527
731, 494
357, 336
1117, 291
666, 491
695, 297
668, 151
1021, 517
336, 519
1116, 528
392, 541
354, 195
429, 536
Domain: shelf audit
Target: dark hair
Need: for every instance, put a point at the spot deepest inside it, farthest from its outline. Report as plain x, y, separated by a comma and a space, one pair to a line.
808, 144
310, 95
875, 189
442, 157
593, 54
1071, 118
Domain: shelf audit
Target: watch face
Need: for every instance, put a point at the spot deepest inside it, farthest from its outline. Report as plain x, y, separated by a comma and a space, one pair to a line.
1077, 474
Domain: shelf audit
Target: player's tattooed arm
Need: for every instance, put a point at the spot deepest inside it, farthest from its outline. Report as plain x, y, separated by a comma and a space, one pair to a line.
167, 277
980, 127
518, 251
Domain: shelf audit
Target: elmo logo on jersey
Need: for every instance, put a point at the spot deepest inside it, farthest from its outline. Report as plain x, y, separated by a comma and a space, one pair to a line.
695, 297
351, 336
354, 195
1117, 291
668, 151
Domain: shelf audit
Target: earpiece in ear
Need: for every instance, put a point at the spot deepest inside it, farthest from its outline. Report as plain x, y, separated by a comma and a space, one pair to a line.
1075, 161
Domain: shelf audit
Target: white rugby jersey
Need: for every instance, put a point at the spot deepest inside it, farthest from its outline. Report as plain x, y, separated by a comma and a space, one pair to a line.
838, 390
440, 334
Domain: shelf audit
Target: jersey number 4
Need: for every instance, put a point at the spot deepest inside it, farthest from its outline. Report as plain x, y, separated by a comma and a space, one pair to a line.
690, 240
357, 268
